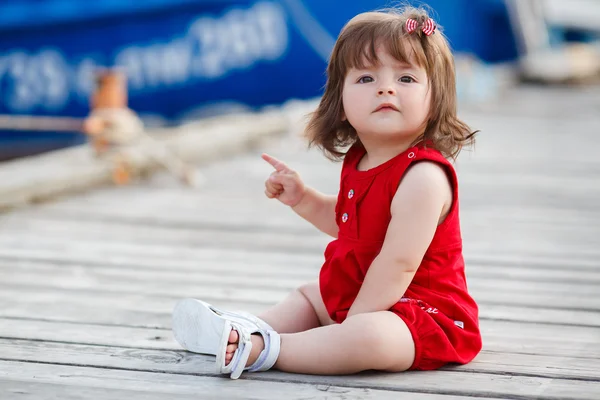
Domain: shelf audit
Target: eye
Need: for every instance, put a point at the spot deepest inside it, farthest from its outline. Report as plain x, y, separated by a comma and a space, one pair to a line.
365, 79
407, 79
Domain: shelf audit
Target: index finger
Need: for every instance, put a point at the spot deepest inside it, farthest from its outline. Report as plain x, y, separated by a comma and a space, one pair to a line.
275, 163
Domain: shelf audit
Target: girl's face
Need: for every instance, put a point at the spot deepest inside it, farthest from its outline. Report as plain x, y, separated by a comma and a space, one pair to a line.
387, 101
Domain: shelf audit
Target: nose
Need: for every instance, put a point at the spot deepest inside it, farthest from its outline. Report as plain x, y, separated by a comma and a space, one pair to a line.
387, 89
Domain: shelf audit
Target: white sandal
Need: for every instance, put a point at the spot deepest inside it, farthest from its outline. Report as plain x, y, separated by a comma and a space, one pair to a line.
202, 328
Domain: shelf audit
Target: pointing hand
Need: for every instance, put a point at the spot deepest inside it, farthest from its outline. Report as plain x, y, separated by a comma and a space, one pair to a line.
284, 184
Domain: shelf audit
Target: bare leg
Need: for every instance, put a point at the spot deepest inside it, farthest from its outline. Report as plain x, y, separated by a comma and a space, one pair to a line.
379, 341
372, 341
303, 309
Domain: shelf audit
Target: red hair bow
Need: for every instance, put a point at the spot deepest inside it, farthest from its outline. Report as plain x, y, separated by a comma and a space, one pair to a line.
428, 26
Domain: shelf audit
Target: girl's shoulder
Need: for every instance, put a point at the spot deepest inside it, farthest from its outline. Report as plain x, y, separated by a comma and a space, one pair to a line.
431, 155
425, 152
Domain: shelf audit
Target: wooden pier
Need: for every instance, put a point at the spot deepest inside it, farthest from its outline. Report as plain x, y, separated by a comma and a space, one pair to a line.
88, 282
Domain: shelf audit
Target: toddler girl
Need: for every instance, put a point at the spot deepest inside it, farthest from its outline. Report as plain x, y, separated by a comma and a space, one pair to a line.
392, 293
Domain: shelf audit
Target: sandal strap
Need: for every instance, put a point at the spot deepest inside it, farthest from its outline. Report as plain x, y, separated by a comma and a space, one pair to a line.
267, 358
246, 324
270, 354
237, 365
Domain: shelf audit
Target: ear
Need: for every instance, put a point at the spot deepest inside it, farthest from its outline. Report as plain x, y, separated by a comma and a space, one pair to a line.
344, 116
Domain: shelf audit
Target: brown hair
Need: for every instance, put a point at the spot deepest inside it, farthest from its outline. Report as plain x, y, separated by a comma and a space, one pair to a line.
355, 48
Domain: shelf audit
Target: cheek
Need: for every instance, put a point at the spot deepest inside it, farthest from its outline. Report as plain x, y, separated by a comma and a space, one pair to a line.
351, 102
349, 97
427, 100
427, 106
423, 104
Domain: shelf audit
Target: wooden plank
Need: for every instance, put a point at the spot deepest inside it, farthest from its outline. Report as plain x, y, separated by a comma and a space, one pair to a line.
224, 287
242, 241
35, 391
98, 307
260, 275
85, 333
264, 214
475, 252
549, 315
91, 252
106, 232
498, 337
150, 310
574, 262
32, 378
235, 262
94, 255
247, 220
164, 281
562, 367
455, 381
588, 287
81, 286
524, 210
136, 205
259, 239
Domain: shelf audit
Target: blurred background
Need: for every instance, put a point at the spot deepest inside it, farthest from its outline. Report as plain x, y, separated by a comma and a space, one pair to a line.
187, 59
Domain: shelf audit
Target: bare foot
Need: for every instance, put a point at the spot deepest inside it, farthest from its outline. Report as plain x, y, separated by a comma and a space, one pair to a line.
258, 345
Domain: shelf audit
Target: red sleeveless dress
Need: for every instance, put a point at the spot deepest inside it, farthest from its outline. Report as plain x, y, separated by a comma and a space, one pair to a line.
437, 308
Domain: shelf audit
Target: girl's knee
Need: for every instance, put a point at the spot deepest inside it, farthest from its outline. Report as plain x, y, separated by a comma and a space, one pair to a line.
308, 288
367, 332
384, 337
308, 291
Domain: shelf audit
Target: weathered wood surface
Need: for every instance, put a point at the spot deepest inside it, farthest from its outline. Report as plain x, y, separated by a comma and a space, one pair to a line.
87, 283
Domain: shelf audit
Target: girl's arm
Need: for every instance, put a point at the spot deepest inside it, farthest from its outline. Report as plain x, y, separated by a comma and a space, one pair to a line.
318, 209
422, 200
285, 185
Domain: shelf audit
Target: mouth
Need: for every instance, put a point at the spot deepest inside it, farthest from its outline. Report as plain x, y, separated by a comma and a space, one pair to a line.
386, 107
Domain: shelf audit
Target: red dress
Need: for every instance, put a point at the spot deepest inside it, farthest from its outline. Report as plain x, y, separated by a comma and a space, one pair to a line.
438, 310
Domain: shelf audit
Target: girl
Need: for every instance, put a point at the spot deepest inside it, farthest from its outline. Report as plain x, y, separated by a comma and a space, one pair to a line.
392, 294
